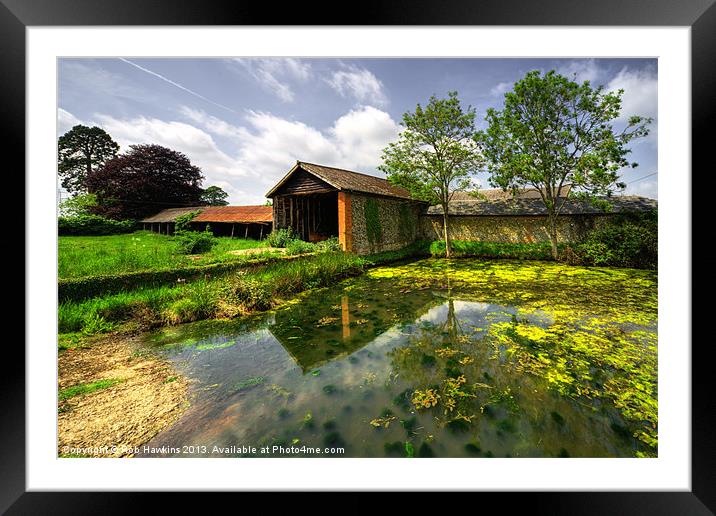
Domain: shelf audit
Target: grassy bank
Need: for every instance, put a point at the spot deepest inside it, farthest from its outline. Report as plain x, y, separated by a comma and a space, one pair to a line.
516, 251
80, 256
226, 296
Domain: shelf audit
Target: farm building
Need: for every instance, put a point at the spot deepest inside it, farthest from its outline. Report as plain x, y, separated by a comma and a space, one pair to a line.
163, 222
369, 215
366, 213
235, 221
522, 219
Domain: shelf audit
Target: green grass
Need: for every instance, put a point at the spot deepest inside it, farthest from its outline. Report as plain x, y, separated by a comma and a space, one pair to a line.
86, 388
519, 251
222, 296
142, 250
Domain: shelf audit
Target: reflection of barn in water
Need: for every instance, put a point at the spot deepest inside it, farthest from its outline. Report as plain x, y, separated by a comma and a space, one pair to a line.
316, 332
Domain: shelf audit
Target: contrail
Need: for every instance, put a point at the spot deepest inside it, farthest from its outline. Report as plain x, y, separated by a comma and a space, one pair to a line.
202, 97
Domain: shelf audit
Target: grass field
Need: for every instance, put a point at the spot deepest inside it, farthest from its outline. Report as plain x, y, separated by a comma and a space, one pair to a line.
224, 296
142, 250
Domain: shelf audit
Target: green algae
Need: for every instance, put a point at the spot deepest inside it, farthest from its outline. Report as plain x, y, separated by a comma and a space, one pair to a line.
526, 358
588, 333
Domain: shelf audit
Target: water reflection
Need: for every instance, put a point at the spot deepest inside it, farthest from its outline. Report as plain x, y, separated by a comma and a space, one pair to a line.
432, 366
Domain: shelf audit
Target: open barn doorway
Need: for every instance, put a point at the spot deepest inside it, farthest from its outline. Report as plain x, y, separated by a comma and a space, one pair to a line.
313, 217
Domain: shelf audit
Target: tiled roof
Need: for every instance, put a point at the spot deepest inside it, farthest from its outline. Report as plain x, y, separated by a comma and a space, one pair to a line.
170, 214
341, 179
243, 214
497, 194
620, 204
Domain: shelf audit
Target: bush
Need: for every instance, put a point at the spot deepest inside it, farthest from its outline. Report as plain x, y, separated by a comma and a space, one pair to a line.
181, 223
93, 225
280, 237
329, 245
520, 251
194, 242
626, 241
300, 247
417, 249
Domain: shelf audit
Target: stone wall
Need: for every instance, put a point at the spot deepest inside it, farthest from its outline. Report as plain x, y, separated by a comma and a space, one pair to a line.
382, 223
518, 229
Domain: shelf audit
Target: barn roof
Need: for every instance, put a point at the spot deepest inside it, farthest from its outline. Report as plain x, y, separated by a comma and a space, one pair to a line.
498, 194
342, 179
530, 207
238, 214
170, 214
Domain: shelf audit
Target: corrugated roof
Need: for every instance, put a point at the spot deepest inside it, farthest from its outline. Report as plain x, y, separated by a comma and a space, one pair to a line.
237, 214
170, 214
342, 179
524, 207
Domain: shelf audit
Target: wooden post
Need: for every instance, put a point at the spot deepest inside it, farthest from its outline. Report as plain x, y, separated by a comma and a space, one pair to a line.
345, 221
232, 229
261, 234
246, 234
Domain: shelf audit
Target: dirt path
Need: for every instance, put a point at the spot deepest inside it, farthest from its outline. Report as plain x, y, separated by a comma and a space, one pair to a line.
149, 396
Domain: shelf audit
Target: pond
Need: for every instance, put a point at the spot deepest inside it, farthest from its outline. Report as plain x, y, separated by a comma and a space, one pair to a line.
434, 358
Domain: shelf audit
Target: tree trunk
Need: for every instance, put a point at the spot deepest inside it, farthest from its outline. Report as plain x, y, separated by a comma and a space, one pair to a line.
553, 236
446, 232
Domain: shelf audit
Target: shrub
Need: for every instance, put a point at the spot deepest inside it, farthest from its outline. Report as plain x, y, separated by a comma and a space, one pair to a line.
625, 241
280, 237
181, 223
520, 251
93, 225
415, 250
300, 247
194, 242
328, 245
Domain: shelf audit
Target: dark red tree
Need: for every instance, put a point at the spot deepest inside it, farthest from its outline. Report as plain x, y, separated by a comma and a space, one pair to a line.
145, 180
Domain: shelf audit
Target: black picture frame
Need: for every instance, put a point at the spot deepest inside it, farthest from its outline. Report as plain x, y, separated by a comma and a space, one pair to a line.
699, 15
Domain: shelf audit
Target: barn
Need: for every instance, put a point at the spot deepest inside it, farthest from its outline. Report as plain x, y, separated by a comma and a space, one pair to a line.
367, 213
235, 221
163, 222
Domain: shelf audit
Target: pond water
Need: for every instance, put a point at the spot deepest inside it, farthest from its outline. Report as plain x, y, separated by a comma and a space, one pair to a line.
462, 358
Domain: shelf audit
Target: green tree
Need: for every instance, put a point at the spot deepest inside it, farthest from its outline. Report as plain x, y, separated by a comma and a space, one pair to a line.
552, 132
435, 154
80, 204
144, 180
82, 150
214, 196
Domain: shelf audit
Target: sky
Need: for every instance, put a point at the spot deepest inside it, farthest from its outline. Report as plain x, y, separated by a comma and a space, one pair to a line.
245, 122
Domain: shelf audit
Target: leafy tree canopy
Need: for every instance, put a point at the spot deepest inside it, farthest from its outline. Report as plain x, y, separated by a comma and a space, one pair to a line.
143, 181
214, 196
82, 150
435, 154
80, 204
553, 132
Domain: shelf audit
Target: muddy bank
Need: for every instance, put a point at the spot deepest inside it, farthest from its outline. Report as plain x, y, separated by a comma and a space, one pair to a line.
143, 395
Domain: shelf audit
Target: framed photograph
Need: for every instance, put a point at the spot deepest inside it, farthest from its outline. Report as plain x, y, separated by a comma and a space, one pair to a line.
417, 252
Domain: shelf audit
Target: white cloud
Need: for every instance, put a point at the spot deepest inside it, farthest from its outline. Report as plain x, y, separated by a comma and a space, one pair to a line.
501, 88
582, 70
66, 121
217, 166
360, 84
646, 188
355, 141
640, 98
640, 92
361, 135
254, 156
211, 123
274, 74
